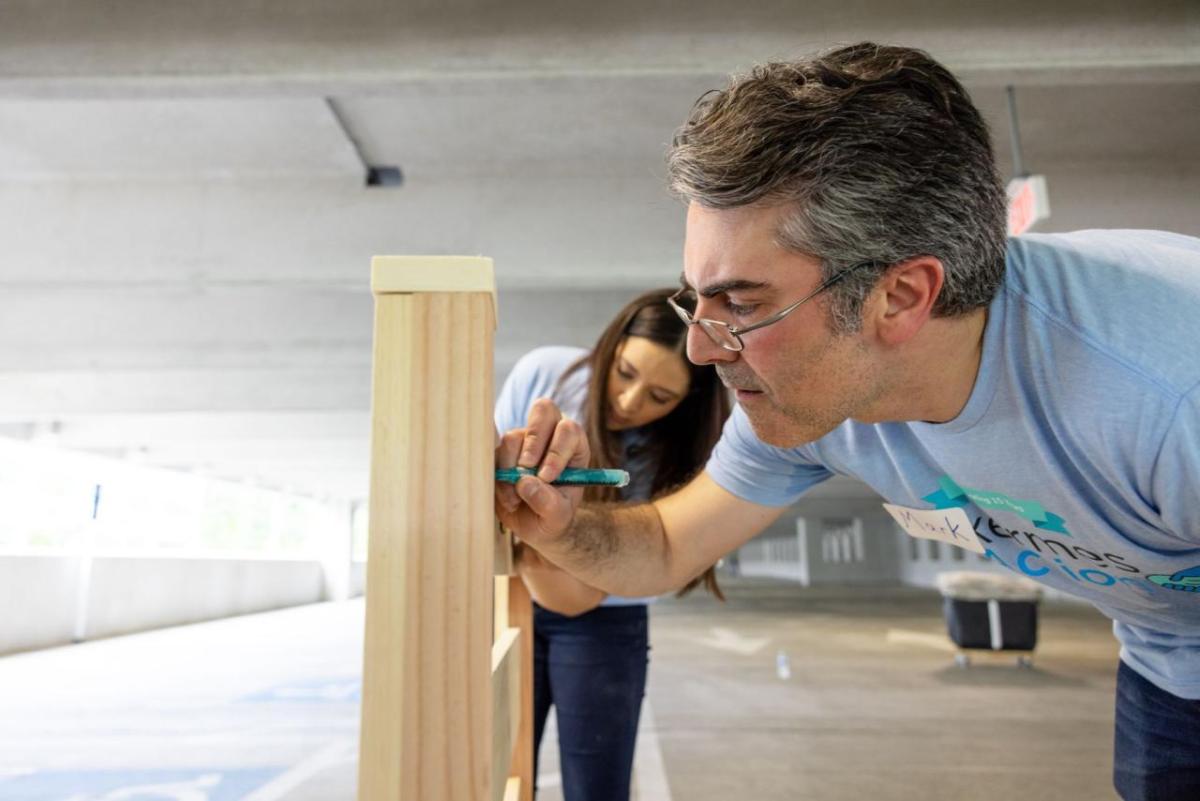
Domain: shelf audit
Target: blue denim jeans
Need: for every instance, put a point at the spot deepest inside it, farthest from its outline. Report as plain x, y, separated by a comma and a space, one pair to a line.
1157, 746
592, 670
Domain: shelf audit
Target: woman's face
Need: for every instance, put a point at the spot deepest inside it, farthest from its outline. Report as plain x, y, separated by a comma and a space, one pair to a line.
647, 381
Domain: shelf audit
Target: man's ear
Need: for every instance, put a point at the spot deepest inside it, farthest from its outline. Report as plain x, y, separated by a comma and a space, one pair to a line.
905, 296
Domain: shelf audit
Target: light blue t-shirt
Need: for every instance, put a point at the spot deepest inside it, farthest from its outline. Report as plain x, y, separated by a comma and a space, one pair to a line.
536, 375
1077, 455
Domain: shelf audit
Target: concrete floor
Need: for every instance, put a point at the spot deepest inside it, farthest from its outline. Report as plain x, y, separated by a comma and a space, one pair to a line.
265, 707
875, 707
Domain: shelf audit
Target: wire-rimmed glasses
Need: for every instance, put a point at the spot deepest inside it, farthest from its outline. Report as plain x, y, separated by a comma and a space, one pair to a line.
729, 337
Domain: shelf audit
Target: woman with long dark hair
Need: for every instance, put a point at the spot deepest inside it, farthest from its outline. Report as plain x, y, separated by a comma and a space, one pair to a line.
649, 410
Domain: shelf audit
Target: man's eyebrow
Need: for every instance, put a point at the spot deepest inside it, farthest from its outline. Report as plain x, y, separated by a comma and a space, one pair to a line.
734, 285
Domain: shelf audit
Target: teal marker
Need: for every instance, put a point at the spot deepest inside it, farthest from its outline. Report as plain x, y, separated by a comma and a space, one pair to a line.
570, 477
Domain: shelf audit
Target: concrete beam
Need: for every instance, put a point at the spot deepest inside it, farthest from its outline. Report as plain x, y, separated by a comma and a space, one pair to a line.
96, 326
169, 139
323, 232
146, 48
562, 232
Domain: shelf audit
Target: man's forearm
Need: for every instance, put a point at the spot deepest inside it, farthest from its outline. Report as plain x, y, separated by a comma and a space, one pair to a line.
619, 548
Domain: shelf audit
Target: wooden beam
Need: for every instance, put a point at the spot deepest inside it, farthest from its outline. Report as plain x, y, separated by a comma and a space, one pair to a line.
520, 616
426, 706
506, 709
504, 563
407, 274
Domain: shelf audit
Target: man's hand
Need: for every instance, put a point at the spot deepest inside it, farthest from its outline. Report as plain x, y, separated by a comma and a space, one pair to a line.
534, 510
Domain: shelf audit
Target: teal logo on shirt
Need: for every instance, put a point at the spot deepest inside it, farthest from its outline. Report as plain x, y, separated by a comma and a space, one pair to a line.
950, 495
1184, 581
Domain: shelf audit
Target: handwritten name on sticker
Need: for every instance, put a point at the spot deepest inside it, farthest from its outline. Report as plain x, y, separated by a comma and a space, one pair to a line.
944, 525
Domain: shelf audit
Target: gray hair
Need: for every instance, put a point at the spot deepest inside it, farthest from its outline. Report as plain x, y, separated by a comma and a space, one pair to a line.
881, 156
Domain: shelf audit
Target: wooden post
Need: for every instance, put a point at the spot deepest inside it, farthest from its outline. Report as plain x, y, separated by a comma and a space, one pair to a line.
427, 715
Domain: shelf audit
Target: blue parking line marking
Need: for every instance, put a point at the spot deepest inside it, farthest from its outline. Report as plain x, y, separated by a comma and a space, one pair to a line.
198, 784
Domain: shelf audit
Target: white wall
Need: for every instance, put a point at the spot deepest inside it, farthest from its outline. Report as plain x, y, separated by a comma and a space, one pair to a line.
40, 594
134, 594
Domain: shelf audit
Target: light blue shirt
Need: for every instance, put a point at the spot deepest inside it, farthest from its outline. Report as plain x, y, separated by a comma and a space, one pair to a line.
1077, 455
536, 375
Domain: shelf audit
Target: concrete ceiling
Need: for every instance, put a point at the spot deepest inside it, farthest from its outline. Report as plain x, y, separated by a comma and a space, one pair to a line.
186, 230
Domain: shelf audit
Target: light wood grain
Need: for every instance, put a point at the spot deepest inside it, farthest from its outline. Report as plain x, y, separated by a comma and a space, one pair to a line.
506, 706
505, 565
407, 274
520, 616
427, 707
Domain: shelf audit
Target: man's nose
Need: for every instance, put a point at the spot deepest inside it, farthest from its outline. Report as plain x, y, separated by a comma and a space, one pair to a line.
702, 350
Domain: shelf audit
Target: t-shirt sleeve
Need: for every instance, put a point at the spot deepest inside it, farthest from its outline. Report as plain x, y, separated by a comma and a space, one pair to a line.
754, 471
535, 375
516, 394
1177, 471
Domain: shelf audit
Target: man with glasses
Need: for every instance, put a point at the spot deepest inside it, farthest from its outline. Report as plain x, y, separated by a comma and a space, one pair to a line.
846, 270
684, 302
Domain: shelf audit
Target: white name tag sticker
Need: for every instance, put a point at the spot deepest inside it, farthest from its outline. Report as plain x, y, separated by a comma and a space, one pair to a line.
944, 525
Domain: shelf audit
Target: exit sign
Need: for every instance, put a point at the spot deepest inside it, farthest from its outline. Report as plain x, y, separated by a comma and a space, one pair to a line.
1028, 203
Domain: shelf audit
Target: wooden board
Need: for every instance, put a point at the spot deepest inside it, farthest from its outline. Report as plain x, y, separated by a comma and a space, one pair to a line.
506, 699
504, 563
520, 615
426, 710
407, 274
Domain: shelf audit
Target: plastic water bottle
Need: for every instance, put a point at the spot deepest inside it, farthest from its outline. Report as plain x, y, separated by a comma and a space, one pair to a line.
783, 666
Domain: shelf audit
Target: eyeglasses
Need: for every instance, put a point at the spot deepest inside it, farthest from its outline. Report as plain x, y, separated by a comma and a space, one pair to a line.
684, 302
